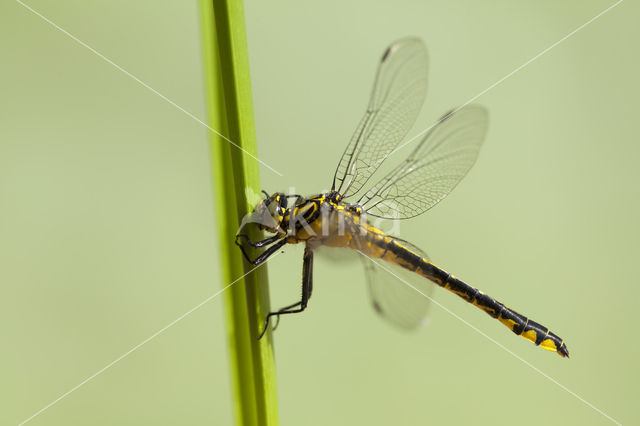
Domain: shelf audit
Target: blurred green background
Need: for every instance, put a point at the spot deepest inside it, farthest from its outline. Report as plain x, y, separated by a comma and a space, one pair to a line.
107, 231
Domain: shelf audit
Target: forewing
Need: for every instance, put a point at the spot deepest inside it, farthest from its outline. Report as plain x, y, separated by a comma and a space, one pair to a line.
441, 159
398, 94
400, 296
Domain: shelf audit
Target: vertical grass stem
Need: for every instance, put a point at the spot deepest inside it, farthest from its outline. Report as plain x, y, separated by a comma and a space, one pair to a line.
235, 174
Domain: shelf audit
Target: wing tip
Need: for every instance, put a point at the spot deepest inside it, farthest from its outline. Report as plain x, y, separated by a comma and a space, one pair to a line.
481, 109
402, 42
387, 53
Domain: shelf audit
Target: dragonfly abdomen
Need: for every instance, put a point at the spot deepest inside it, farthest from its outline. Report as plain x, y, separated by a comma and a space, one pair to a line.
516, 322
396, 253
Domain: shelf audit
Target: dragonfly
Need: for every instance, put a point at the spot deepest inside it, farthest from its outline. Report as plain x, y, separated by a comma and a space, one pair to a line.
338, 218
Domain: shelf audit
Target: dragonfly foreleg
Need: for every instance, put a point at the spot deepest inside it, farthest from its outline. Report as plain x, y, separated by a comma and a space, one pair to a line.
299, 198
307, 287
265, 254
257, 244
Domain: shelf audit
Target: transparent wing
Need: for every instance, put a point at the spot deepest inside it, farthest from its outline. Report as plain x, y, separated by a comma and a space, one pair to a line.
398, 295
398, 94
441, 159
394, 291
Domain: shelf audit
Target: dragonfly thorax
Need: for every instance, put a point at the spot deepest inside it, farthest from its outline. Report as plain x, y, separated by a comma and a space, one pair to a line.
283, 214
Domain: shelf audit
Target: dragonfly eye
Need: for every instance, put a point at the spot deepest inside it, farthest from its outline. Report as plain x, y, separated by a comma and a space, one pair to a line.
269, 213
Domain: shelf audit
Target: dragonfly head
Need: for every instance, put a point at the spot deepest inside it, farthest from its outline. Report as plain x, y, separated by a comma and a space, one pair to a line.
270, 211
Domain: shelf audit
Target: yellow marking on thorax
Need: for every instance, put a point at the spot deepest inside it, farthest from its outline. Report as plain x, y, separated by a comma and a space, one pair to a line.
334, 230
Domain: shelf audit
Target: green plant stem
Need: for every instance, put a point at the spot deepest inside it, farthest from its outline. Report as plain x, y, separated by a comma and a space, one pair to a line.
235, 174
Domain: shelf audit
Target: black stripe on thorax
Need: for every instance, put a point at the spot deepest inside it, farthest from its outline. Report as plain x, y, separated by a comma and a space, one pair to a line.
307, 212
314, 213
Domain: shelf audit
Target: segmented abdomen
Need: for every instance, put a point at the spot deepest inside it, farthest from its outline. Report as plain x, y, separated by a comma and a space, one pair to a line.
518, 323
393, 251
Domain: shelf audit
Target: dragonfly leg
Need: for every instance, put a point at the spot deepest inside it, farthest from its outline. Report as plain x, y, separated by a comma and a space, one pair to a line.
265, 254
281, 311
260, 243
307, 287
298, 198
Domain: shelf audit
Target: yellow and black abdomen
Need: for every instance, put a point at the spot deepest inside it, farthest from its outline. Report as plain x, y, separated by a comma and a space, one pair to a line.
518, 323
393, 251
